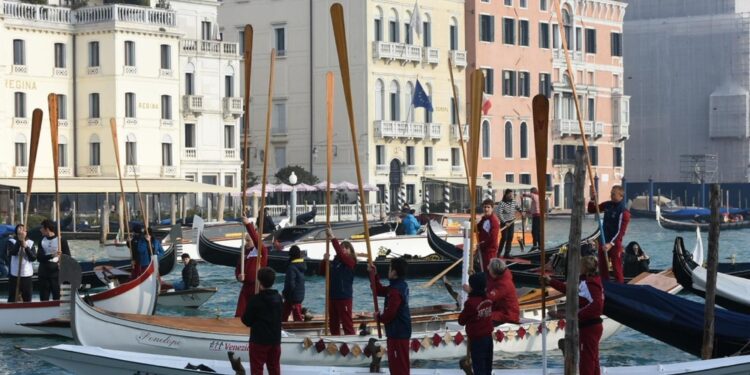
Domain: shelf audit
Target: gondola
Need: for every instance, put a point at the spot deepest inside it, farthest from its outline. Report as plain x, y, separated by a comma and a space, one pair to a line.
674, 320
732, 292
690, 226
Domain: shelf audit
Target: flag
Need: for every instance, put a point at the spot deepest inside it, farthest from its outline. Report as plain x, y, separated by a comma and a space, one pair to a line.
486, 104
415, 24
420, 98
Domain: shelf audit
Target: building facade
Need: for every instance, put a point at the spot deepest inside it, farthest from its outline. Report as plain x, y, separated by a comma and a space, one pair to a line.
517, 43
400, 147
158, 71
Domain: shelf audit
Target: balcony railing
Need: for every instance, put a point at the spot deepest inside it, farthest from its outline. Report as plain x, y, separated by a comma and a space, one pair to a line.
60, 72
165, 72
429, 169
129, 70
132, 170
31, 12
399, 129
563, 161
396, 51
575, 56
433, 131
95, 121
621, 132
190, 153
93, 70
412, 169
124, 13
457, 170
209, 48
92, 170
62, 123
230, 153
454, 132
166, 123
20, 122
19, 69
458, 58
193, 103
168, 171
233, 106
129, 122
382, 169
431, 55
564, 128
20, 171
65, 171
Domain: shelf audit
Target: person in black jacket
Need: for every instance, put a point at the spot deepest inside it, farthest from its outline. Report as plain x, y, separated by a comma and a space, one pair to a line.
23, 246
263, 316
294, 286
50, 249
268, 224
190, 278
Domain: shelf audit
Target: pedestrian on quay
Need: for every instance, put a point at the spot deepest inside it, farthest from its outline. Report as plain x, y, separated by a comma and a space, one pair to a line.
506, 212
190, 277
49, 261
536, 216
294, 286
477, 317
410, 223
488, 228
591, 307
23, 247
251, 264
263, 316
395, 315
502, 292
341, 291
616, 219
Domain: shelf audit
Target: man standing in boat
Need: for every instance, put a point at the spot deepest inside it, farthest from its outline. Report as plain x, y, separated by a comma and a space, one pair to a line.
342, 278
410, 223
294, 286
251, 264
24, 248
616, 219
502, 292
506, 212
395, 315
488, 228
535, 216
49, 258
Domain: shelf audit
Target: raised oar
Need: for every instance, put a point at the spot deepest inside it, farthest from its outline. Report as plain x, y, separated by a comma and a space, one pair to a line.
339, 32
123, 203
329, 160
477, 88
441, 274
53, 127
245, 135
36, 129
540, 108
262, 212
144, 209
458, 120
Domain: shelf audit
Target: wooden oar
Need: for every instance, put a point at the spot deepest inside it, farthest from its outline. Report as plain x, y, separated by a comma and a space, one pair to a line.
248, 33
36, 129
144, 210
540, 108
571, 75
123, 203
458, 120
441, 274
329, 161
477, 88
262, 212
53, 127
339, 32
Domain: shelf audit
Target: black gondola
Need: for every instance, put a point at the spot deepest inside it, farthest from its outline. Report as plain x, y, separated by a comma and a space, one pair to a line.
685, 226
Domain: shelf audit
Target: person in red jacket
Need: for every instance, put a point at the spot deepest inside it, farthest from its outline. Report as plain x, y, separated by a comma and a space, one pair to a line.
489, 229
616, 217
590, 309
477, 317
342, 279
502, 292
395, 315
251, 264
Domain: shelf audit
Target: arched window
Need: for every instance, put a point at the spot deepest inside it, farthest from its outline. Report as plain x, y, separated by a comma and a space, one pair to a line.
486, 139
131, 151
508, 140
426, 30
568, 26
393, 26
524, 141
378, 25
454, 34
394, 94
379, 99
94, 150
408, 34
407, 101
427, 114
166, 151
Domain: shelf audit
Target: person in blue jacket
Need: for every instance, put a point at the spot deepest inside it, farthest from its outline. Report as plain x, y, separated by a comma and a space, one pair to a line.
142, 250
410, 223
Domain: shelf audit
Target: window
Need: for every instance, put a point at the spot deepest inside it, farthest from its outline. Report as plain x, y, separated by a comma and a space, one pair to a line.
380, 155
189, 84
545, 84
62, 107
549, 181
524, 178
93, 54
378, 29
524, 141
455, 157
523, 33
524, 84
523, 4
486, 139
20, 104
166, 56
509, 3
579, 39
131, 154
59, 55
129, 104
280, 156
94, 152
454, 115
590, 40
407, 33
166, 107
129, 53
393, 29
206, 30
543, 35
594, 155
428, 114
381, 193
394, 101
229, 180
228, 136
567, 28
379, 99
229, 86
509, 31
210, 179
486, 28
616, 40
279, 117
489, 79
410, 156
508, 140
617, 157
19, 52
166, 154
280, 41
20, 154
592, 109
426, 34
94, 105
454, 37
428, 156
542, 4
242, 41
62, 154
410, 193
509, 177
189, 135
509, 83
555, 36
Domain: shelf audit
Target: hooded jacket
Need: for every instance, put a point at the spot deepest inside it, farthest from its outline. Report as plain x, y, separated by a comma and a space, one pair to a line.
294, 282
263, 316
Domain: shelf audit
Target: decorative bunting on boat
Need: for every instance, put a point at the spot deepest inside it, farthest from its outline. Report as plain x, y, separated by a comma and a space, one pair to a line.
307, 343
521, 332
344, 350
459, 338
447, 338
415, 345
499, 335
561, 324
368, 351
510, 334
532, 330
426, 342
356, 351
540, 327
320, 346
552, 325
332, 348
436, 340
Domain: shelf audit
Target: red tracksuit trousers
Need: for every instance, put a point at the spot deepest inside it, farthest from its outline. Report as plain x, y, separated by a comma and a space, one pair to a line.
398, 356
248, 290
340, 312
589, 341
293, 309
615, 257
268, 355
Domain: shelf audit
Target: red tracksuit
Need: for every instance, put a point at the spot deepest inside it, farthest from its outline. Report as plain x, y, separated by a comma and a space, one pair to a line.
489, 229
502, 292
477, 317
616, 218
251, 263
591, 307
397, 320
342, 278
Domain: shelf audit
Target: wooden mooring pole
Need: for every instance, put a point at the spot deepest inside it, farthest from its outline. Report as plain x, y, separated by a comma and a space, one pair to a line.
574, 268
713, 260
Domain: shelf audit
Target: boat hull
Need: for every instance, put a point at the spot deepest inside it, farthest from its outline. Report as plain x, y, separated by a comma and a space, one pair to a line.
192, 298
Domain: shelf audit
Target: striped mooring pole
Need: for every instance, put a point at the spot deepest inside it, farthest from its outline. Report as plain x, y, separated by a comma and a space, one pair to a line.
447, 198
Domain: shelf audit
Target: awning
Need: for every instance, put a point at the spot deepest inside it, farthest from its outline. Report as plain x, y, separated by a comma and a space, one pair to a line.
69, 185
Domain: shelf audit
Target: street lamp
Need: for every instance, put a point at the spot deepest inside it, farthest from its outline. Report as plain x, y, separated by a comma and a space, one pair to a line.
293, 200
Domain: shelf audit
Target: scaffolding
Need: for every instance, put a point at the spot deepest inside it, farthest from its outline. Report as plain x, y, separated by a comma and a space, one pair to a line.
699, 168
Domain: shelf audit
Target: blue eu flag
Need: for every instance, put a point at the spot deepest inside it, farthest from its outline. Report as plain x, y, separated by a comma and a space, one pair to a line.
420, 98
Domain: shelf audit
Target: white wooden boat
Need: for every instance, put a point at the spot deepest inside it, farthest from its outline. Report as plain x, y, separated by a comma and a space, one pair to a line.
85, 360
193, 297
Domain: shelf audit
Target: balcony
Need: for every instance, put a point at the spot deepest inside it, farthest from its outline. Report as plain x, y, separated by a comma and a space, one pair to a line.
562, 128
193, 47
396, 51
433, 131
129, 70
431, 55
123, 14
95, 121
575, 56
60, 72
429, 169
19, 69
167, 73
168, 171
621, 132
92, 170
132, 170
230, 153
232, 106
192, 104
20, 122
458, 58
65, 171
457, 170
399, 129
130, 122
382, 169
563, 161
166, 123
412, 169
62, 123
20, 171
190, 153
93, 70
454, 133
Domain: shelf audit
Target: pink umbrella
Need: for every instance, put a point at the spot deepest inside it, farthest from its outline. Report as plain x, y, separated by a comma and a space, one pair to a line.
306, 188
322, 186
347, 186
370, 187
